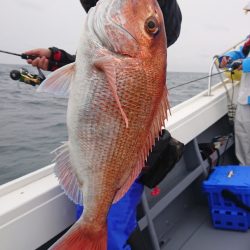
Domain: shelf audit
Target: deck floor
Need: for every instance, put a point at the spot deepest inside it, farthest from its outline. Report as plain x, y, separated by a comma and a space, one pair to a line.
195, 232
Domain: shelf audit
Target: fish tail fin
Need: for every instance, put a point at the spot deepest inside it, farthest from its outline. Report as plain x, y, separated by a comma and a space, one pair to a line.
80, 238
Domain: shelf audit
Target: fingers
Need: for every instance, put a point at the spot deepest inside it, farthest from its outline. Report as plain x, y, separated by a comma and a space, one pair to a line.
40, 62
39, 52
32, 52
224, 62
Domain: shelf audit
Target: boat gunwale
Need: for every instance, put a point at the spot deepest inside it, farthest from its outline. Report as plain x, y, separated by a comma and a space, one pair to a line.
50, 197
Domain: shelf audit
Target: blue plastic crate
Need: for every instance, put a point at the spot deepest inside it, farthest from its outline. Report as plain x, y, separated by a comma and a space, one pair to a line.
228, 191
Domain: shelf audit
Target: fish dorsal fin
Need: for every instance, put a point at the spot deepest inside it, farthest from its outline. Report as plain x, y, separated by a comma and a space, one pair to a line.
64, 172
155, 129
107, 65
58, 82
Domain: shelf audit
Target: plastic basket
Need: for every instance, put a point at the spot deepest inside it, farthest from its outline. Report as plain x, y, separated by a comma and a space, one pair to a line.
228, 192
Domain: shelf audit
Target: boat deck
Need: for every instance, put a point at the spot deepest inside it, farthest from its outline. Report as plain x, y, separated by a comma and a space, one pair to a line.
195, 232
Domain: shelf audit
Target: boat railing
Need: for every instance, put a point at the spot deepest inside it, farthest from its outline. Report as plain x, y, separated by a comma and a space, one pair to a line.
214, 63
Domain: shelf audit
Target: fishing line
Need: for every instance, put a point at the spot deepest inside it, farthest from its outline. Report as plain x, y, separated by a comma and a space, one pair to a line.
25, 56
197, 79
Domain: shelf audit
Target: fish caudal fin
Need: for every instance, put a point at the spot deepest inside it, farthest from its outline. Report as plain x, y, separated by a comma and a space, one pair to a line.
79, 238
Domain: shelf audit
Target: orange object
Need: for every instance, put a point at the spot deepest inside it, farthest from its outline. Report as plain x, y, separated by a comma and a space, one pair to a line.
117, 107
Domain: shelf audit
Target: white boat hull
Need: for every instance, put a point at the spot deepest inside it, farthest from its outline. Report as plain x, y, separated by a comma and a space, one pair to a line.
34, 208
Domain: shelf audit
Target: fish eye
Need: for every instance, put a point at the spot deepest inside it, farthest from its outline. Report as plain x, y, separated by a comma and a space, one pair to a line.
152, 26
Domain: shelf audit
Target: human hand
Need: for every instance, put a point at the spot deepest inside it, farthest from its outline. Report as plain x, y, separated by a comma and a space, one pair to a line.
224, 61
42, 60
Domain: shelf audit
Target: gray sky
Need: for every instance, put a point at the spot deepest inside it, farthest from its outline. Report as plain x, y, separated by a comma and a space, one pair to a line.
209, 27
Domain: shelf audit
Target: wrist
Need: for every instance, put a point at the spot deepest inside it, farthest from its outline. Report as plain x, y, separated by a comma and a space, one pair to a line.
54, 59
55, 54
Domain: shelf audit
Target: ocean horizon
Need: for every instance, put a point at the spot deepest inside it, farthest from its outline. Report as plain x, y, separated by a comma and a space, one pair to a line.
34, 124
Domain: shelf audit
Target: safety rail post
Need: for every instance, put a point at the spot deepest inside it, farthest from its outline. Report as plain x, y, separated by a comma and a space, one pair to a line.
210, 75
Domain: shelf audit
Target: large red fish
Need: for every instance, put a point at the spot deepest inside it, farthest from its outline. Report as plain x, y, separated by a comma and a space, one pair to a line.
117, 106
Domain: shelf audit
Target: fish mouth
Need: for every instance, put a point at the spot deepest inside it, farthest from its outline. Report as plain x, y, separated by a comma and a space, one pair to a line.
109, 33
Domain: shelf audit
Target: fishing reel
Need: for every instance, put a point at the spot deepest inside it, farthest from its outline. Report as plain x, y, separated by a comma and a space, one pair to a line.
15, 75
231, 65
23, 75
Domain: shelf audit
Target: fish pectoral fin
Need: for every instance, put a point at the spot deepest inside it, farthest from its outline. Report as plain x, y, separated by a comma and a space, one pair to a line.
107, 65
58, 82
66, 176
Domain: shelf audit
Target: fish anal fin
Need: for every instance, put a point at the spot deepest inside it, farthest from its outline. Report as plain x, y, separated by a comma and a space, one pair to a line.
66, 175
58, 82
106, 64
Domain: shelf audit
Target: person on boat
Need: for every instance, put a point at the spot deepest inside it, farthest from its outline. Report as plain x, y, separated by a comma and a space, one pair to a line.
172, 19
123, 231
241, 58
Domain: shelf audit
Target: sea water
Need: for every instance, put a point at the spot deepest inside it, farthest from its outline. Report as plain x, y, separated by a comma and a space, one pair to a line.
33, 124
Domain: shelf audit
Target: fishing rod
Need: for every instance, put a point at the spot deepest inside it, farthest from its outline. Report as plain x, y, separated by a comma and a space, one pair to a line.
23, 55
23, 75
32, 57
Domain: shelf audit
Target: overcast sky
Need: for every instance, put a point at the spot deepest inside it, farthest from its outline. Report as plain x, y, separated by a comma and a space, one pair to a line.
209, 27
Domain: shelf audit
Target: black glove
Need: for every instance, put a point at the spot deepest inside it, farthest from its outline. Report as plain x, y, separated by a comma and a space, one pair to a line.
235, 64
165, 154
59, 58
